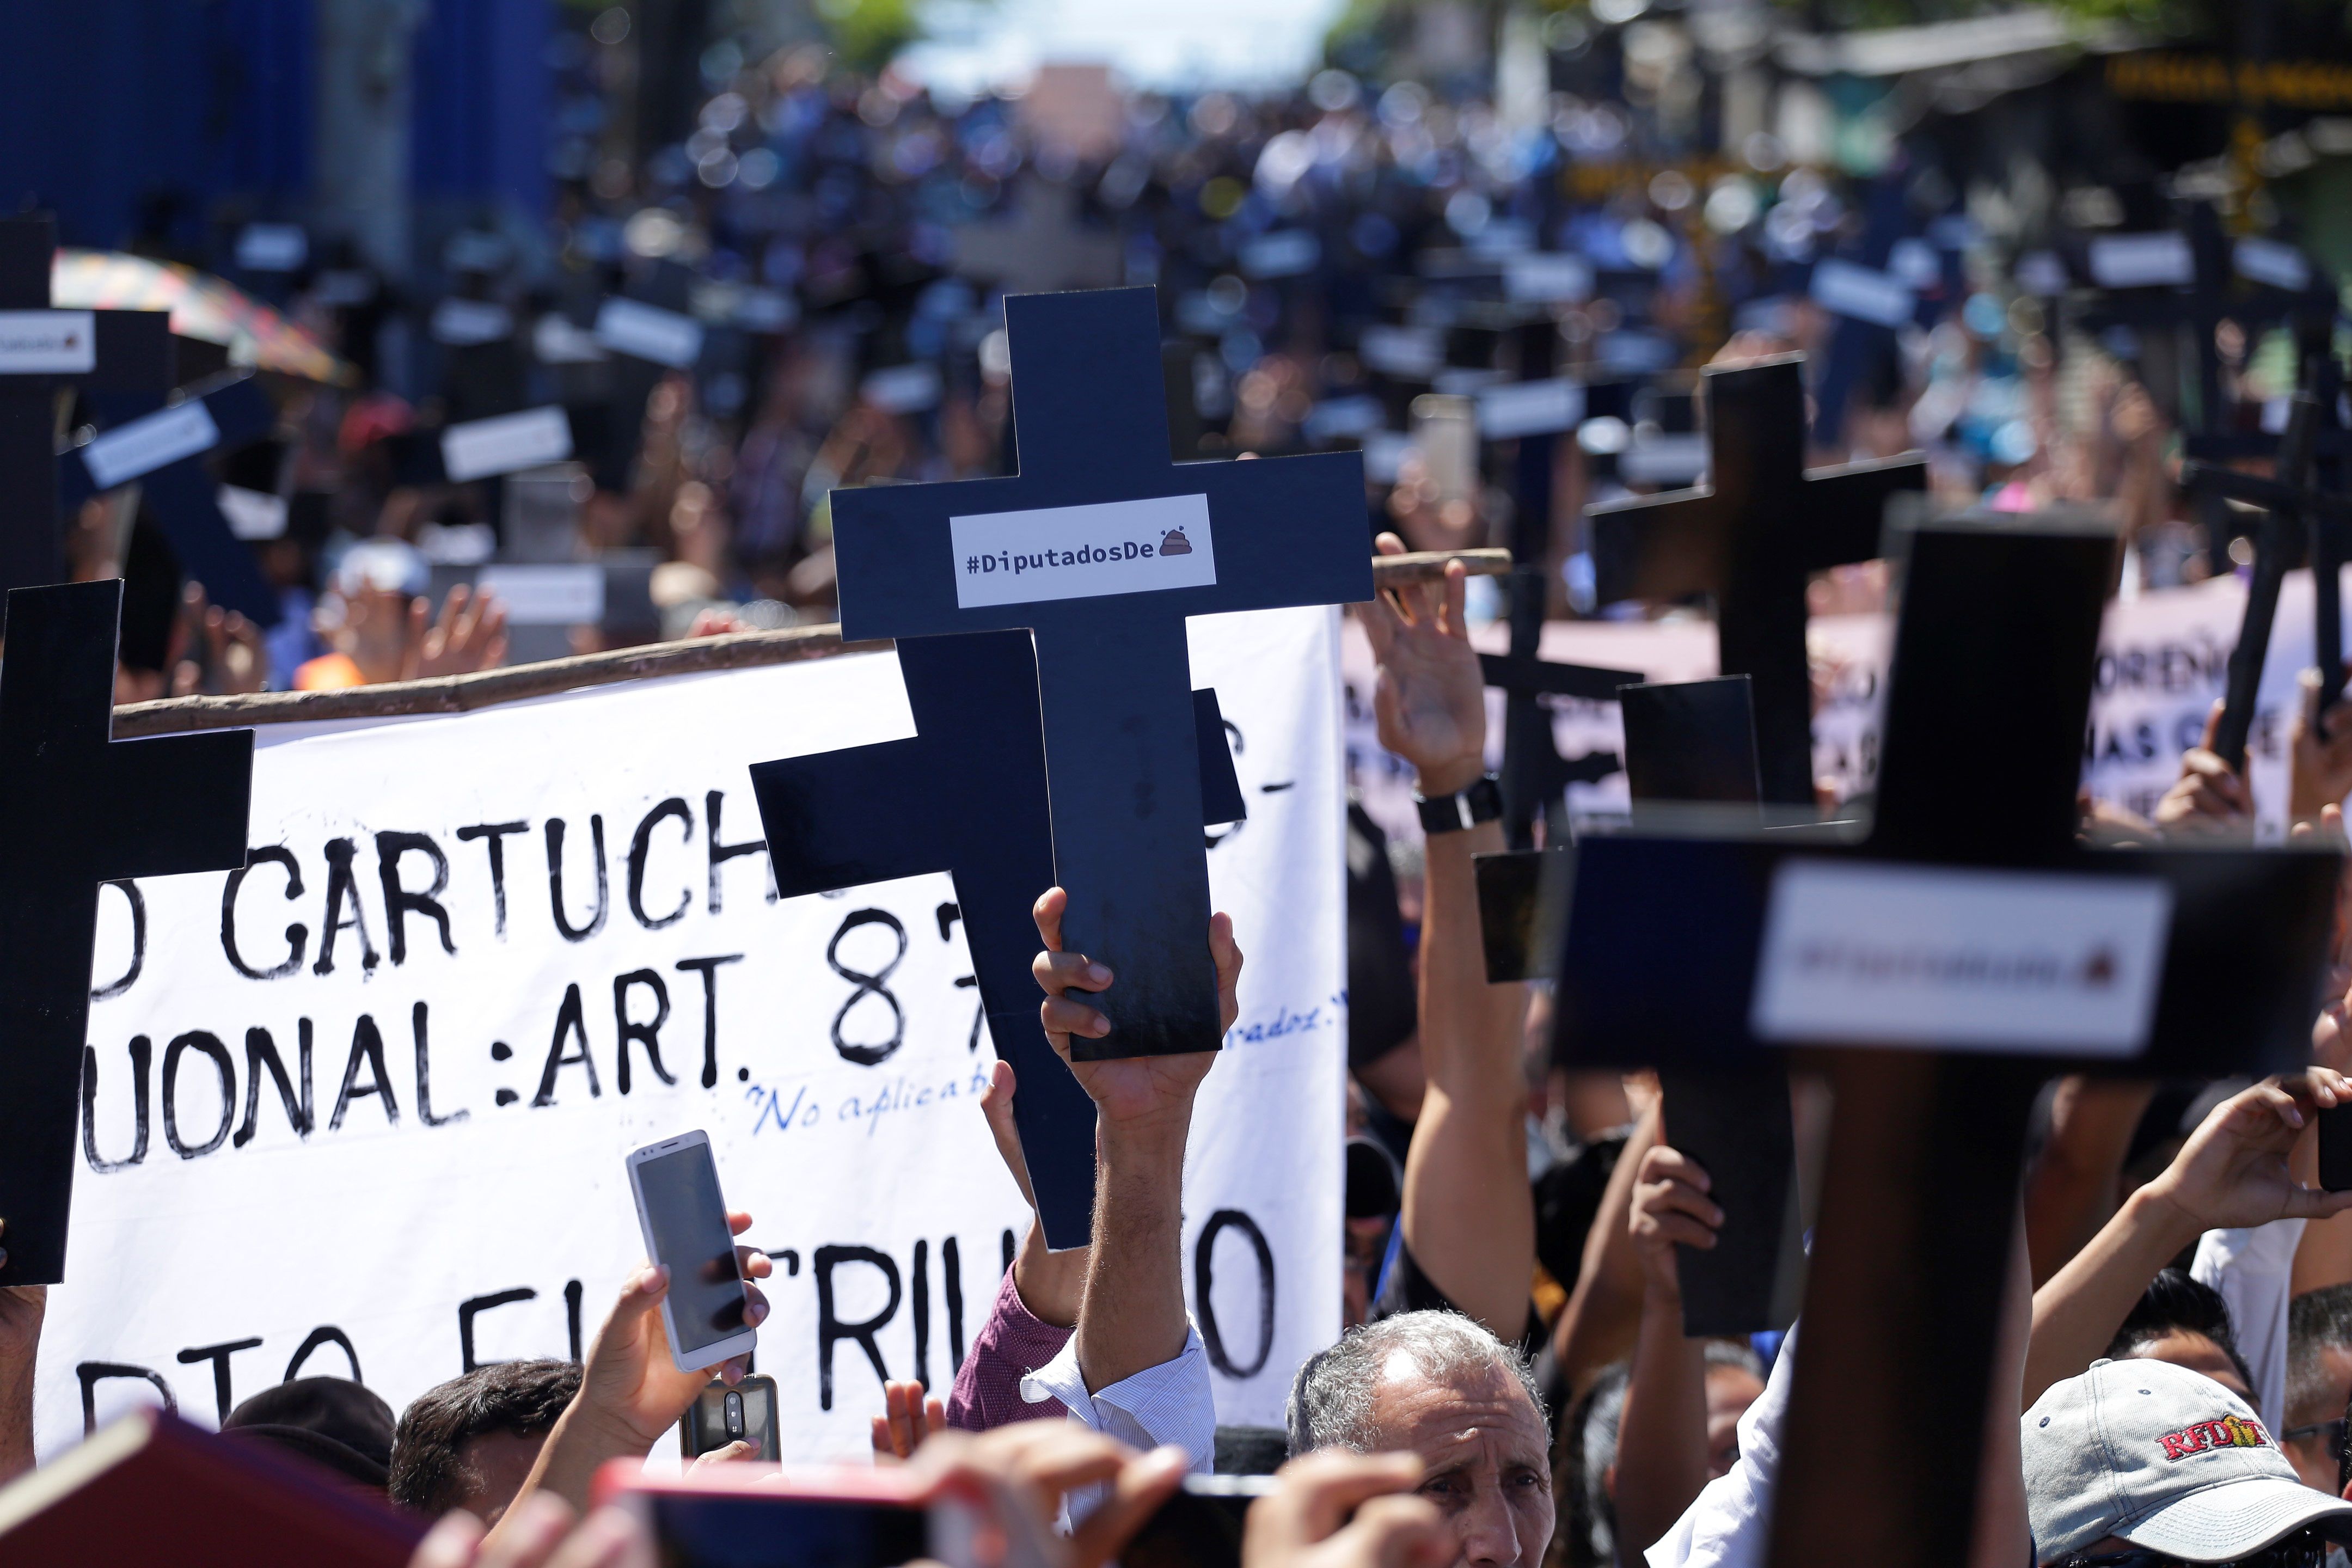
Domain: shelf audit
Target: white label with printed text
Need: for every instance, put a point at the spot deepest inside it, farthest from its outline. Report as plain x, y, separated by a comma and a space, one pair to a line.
552, 595
1083, 552
1938, 958
48, 342
506, 443
648, 331
146, 445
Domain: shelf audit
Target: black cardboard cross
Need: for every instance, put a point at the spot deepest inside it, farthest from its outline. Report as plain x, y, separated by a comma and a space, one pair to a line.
1535, 775
1162, 542
77, 810
1749, 537
1664, 963
131, 352
967, 795
2295, 527
180, 491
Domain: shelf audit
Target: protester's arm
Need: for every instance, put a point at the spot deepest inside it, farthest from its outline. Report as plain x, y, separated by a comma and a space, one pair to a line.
22, 1308
1603, 1318
631, 1390
2072, 1188
2233, 1171
1469, 1217
1662, 1434
1036, 1304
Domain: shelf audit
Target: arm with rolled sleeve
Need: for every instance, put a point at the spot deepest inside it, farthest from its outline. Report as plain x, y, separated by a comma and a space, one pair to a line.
1165, 1406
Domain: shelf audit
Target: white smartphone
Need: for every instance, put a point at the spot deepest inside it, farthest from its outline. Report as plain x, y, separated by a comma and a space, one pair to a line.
685, 1223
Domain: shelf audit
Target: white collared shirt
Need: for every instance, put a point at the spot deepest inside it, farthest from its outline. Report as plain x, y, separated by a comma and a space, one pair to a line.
1167, 1404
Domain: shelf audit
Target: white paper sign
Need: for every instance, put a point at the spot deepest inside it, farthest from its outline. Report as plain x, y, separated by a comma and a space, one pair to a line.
506, 443
48, 342
2142, 260
1548, 277
646, 331
902, 388
1286, 253
2268, 261
1677, 460
1963, 960
1337, 418
1531, 408
471, 1102
252, 514
2041, 272
463, 323
1408, 353
1863, 293
272, 247
552, 595
145, 445
1083, 552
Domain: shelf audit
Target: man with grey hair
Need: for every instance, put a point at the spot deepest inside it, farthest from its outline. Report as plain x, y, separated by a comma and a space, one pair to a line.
1441, 1386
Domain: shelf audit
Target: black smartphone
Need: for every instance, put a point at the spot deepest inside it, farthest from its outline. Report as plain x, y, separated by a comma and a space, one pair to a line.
2335, 1147
1199, 1526
740, 1516
743, 1413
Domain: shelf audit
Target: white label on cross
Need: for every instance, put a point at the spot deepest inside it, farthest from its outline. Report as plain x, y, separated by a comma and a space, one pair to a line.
465, 323
146, 445
505, 443
48, 342
1083, 552
252, 514
546, 595
1937, 958
648, 331
1548, 275
1863, 293
1531, 408
2142, 260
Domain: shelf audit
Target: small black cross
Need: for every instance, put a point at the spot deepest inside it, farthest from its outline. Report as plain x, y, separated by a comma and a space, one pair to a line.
77, 810
131, 350
1751, 536
967, 795
1113, 672
1666, 962
179, 491
2300, 524
1535, 775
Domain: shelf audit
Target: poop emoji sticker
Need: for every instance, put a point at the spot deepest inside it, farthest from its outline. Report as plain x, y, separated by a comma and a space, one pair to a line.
1173, 542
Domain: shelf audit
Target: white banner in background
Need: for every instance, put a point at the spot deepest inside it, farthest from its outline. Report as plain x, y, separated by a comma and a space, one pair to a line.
2163, 663
484, 956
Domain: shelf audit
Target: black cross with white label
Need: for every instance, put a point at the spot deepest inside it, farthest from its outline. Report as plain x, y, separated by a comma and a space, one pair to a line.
1535, 775
164, 449
1161, 541
1971, 939
1751, 536
76, 810
127, 351
967, 795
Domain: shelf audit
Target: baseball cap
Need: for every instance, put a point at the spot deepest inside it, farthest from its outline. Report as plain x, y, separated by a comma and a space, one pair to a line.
2165, 1458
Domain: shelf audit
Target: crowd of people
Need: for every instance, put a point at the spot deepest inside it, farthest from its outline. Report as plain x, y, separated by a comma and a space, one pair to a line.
1515, 1385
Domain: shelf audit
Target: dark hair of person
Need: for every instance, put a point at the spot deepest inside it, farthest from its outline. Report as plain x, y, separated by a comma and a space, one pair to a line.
2175, 1304
523, 1397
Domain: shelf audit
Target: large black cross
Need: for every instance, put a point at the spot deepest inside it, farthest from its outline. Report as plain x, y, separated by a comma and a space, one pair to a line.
2176, 961
129, 350
1113, 675
148, 442
2296, 527
967, 795
1751, 536
77, 810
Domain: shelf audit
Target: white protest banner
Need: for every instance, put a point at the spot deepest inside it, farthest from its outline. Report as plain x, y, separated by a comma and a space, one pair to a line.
2164, 660
493, 952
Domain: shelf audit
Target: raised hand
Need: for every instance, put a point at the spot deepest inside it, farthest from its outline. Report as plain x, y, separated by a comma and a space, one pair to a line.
2208, 797
470, 635
906, 1420
1671, 1208
1139, 1088
2320, 753
2233, 1170
1431, 699
1336, 1509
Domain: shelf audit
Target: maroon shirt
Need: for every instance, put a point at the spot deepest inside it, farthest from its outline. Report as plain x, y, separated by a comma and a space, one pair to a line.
1013, 1344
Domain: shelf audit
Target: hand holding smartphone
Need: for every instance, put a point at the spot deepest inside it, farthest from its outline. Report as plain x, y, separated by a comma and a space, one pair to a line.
684, 1219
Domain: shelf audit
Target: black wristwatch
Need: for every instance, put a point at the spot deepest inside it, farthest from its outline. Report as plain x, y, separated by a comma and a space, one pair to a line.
1482, 802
